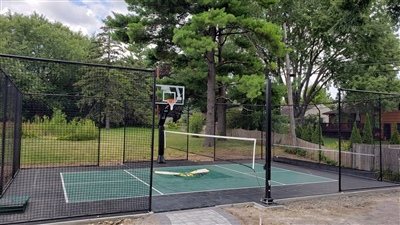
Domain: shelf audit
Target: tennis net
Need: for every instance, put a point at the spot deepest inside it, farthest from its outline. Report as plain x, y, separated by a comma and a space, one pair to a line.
225, 148
350, 159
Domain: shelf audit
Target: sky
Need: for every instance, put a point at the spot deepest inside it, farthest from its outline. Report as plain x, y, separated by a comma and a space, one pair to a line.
80, 15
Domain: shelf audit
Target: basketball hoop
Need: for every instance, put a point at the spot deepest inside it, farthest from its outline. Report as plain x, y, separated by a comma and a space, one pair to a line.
171, 102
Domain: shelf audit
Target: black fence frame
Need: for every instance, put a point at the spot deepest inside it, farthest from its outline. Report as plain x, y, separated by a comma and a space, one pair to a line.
41, 207
11, 112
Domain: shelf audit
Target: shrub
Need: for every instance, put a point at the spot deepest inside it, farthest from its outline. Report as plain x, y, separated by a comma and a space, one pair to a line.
355, 135
306, 133
58, 128
390, 175
317, 136
196, 122
395, 137
327, 160
367, 131
296, 151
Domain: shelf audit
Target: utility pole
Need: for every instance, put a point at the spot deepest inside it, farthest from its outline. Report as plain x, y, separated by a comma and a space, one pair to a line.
289, 92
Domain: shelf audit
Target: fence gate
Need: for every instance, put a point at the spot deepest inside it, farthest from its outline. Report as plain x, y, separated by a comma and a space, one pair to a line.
78, 140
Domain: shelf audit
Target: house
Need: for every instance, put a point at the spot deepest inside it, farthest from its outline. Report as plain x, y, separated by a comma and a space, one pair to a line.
317, 110
389, 120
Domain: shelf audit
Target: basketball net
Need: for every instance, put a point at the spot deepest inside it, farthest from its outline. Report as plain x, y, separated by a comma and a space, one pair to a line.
171, 102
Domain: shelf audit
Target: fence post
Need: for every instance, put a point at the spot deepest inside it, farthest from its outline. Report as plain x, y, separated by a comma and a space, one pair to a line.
3, 135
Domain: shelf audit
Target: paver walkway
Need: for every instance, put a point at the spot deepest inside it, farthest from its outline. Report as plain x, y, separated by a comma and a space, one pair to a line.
204, 216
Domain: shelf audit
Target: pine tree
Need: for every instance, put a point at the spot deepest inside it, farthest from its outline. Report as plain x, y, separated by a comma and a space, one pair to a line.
367, 137
355, 135
395, 137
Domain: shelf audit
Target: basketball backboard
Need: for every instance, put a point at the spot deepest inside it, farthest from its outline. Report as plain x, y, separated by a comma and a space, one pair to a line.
165, 92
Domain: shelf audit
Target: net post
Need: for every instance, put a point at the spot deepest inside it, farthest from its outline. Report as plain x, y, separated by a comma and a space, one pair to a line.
267, 199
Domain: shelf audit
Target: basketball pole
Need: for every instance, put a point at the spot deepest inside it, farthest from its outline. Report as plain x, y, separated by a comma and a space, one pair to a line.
161, 134
267, 199
161, 128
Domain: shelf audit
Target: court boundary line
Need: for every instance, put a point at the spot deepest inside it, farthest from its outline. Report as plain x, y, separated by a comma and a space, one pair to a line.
95, 182
286, 170
143, 182
64, 189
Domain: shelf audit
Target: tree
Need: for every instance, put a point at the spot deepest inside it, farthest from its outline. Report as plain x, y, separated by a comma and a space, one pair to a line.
201, 31
367, 137
35, 36
395, 139
317, 137
355, 135
327, 36
110, 85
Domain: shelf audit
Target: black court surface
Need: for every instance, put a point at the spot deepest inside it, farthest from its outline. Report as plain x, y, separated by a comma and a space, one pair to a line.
95, 190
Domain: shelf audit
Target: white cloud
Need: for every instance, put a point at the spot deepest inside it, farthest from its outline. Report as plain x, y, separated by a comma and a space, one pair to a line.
83, 15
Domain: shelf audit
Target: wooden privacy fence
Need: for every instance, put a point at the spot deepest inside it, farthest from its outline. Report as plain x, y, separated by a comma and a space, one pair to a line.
362, 156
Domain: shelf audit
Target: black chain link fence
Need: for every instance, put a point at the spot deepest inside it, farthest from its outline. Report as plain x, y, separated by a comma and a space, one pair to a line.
77, 142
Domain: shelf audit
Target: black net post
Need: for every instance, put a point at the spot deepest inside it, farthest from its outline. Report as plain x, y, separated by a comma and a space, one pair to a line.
3, 136
267, 199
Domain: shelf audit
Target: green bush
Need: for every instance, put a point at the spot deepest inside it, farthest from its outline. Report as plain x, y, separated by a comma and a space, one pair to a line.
317, 136
296, 151
80, 130
391, 176
306, 133
196, 122
57, 127
355, 135
395, 137
367, 131
327, 160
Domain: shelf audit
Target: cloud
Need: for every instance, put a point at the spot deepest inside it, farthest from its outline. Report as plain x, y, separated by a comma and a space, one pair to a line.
80, 15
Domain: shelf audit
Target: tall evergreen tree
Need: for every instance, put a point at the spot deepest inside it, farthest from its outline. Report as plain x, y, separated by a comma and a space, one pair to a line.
201, 31
355, 135
110, 85
367, 136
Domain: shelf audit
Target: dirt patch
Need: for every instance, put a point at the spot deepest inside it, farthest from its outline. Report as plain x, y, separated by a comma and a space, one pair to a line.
373, 207
364, 208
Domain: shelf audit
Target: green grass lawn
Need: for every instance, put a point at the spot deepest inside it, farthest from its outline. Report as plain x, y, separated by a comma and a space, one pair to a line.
53, 152
48, 152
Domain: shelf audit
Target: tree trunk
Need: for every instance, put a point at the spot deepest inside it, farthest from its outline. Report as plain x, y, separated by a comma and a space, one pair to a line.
221, 111
292, 131
210, 116
107, 122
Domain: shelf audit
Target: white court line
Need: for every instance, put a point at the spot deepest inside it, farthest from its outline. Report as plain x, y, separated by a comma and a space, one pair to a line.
292, 171
64, 189
247, 174
143, 182
99, 182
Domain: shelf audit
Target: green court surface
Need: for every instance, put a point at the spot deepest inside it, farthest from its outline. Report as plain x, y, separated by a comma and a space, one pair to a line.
129, 183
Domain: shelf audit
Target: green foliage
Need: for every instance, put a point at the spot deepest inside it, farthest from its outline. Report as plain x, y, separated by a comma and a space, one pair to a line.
280, 122
391, 175
355, 135
395, 139
317, 136
36, 36
299, 132
345, 145
295, 151
57, 127
327, 160
196, 122
307, 133
367, 137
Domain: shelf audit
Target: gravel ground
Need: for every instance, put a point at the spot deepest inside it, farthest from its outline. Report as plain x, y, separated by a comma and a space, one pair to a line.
376, 207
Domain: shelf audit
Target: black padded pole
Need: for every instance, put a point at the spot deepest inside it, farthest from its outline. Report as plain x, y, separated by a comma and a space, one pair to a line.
161, 137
